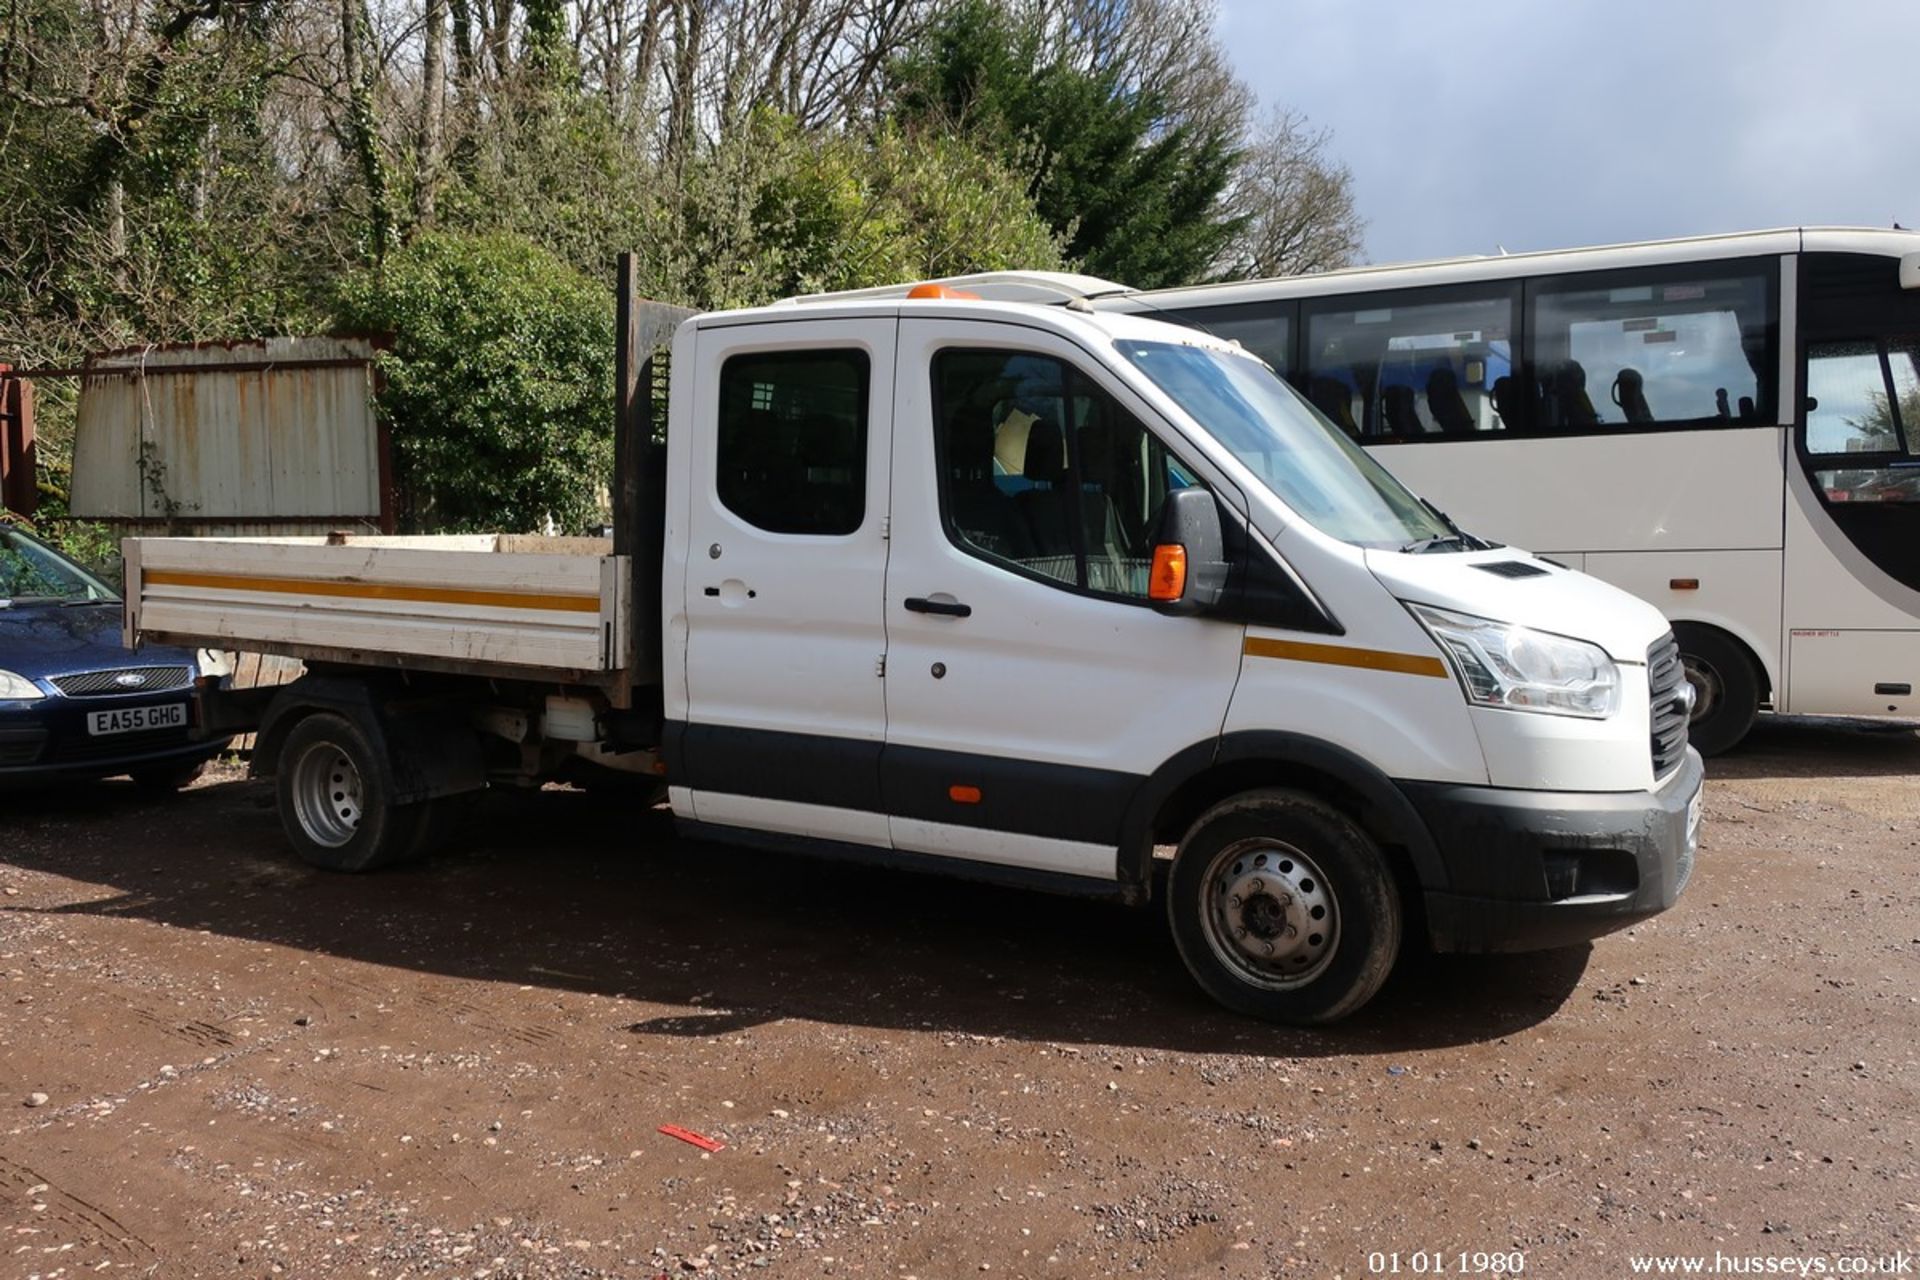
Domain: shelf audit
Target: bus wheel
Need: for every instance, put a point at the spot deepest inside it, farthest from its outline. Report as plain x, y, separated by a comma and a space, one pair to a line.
1283, 908
336, 798
1726, 688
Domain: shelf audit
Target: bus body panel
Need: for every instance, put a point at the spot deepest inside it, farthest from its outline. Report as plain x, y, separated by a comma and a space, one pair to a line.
1596, 493
1850, 628
1737, 592
1855, 673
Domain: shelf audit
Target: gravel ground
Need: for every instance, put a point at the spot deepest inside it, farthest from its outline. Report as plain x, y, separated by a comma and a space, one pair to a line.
216, 1062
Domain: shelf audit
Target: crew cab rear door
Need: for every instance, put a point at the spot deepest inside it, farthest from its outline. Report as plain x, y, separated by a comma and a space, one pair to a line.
785, 568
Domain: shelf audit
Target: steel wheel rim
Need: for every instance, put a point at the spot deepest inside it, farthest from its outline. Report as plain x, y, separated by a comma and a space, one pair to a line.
328, 797
1269, 914
1708, 689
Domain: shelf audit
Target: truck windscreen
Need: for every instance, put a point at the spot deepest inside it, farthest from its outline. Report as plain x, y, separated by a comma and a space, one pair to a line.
1313, 468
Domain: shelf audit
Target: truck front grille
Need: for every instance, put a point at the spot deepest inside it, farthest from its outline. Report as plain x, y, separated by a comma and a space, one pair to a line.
1665, 679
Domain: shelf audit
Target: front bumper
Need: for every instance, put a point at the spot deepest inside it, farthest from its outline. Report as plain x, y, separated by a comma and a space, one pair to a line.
1530, 870
47, 741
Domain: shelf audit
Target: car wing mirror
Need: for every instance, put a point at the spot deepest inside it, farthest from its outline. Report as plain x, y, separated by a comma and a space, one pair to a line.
1189, 573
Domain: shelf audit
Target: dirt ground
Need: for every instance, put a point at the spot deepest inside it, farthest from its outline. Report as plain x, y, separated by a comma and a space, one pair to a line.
253, 1069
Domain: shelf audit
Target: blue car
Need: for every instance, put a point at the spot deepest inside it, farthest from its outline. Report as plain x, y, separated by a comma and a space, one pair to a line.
73, 703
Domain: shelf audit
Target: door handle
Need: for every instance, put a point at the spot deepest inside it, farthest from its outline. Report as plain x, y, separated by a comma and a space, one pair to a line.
945, 608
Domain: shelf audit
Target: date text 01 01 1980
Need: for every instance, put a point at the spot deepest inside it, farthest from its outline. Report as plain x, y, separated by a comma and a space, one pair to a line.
1436, 1262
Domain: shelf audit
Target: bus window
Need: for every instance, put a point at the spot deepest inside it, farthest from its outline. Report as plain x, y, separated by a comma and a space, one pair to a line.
1384, 368
1264, 328
1863, 417
1847, 407
1629, 350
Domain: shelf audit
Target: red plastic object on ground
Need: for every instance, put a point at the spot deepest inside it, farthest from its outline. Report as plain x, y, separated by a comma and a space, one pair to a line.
699, 1140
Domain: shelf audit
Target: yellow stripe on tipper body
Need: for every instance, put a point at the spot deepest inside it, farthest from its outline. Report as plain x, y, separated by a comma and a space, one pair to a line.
375, 591
1340, 655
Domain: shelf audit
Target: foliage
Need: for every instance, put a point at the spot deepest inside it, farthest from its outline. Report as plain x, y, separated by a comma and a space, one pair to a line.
499, 385
184, 170
1876, 429
1295, 205
1134, 187
782, 212
93, 544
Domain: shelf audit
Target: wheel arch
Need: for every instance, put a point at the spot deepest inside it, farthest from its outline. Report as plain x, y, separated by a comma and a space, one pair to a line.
1736, 634
1202, 775
429, 750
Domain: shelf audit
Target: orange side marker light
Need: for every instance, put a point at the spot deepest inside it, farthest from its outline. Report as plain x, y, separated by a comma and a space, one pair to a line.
1168, 578
963, 795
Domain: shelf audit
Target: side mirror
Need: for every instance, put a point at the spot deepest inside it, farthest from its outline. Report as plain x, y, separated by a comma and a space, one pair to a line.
1189, 572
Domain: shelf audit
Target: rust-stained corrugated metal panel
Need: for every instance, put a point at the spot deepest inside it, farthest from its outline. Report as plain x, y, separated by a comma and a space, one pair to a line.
274, 429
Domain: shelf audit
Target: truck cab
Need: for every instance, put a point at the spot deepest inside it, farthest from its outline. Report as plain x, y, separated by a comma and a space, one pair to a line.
922, 603
1037, 594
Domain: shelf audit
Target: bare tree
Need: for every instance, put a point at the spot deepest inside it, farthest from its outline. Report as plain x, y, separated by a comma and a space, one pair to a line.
1296, 202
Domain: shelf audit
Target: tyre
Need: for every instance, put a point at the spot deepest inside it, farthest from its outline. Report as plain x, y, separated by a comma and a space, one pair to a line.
335, 794
1726, 688
1284, 908
164, 778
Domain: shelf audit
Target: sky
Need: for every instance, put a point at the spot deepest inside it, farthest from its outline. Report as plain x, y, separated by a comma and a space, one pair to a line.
1541, 124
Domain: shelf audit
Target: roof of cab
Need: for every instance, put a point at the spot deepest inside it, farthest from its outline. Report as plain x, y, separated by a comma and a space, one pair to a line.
1058, 319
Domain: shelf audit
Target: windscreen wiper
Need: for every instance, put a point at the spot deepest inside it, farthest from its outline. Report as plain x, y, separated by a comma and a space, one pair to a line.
1446, 542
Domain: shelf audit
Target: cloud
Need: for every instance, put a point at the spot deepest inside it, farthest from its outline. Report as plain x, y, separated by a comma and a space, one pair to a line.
1527, 125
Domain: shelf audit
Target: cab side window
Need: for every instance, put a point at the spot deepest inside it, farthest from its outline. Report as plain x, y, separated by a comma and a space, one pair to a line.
792, 452
1043, 473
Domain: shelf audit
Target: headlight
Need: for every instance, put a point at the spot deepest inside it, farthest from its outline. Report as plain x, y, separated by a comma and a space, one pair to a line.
214, 662
1503, 665
15, 688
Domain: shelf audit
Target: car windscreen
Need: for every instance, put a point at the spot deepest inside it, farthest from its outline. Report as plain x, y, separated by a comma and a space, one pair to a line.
31, 571
1324, 477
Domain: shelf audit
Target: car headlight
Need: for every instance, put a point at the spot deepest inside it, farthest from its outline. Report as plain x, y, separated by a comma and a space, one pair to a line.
1504, 665
214, 662
15, 688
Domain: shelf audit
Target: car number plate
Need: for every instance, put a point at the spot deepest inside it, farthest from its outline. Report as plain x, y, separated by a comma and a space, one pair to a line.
168, 715
1693, 818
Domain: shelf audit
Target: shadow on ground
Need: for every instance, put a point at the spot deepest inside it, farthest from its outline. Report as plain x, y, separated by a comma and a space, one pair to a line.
1822, 747
559, 890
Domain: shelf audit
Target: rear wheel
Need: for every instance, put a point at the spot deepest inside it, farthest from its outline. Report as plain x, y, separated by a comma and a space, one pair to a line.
336, 798
1726, 688
1284, 908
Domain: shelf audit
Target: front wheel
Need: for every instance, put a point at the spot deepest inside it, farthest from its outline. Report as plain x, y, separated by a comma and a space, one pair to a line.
1284, 908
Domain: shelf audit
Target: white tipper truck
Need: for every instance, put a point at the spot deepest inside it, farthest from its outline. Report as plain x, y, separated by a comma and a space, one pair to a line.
1007, 589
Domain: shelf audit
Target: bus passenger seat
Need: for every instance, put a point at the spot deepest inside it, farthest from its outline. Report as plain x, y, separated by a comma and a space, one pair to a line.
1630, 394
1402, 417
1507, 402
1445, 403
1332, 397
1571, 407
